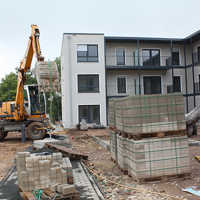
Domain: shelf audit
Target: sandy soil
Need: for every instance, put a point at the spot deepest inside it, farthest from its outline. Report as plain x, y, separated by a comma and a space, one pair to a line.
99, 160
8, 149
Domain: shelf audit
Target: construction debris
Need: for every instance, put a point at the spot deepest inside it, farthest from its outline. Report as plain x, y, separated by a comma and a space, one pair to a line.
193, 190
39, 144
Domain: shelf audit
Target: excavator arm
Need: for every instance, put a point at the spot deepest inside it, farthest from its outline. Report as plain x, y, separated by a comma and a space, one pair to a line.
25, 65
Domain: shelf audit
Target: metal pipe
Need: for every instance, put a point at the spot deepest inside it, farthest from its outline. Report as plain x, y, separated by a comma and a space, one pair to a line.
171, 47
194, 96
186, 83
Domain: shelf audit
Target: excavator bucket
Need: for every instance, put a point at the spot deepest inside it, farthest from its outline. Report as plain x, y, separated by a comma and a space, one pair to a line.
47, 76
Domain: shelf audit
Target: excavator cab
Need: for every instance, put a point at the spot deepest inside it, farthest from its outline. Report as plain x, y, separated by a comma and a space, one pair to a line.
34, 101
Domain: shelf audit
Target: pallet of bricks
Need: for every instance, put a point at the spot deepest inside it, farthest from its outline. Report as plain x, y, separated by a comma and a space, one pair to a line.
51, 174
148, 136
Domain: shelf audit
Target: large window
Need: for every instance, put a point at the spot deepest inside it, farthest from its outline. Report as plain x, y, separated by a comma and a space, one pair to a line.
121, 85
198, 54
151, 57
87, 53
88, 83
152, 84
120, 55
177, 83
175, 57
90, 113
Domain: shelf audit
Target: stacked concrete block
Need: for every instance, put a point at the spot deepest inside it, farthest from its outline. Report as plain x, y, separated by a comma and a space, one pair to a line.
159, 156
111, 112
150, 156
40, 172
67, 166
47, 76
122, 153
147, 114
66, 189
113, 145
154, 157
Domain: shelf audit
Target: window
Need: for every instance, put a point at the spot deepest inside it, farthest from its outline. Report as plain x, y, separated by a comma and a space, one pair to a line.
120, 55
177, 83
91, 113
198, 87
121, 85
198, 54
88, 83
175, 57
136, 84
87, 53
151, 57
152, 84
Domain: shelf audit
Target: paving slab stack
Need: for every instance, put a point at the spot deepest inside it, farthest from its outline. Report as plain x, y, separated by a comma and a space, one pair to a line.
42, 171
136, 123
47, 76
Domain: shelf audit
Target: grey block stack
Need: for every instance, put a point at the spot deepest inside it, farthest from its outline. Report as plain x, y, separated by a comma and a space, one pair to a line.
149, 156
40, 172
158, 156
147, 114
113, 145
47, 76
122, 153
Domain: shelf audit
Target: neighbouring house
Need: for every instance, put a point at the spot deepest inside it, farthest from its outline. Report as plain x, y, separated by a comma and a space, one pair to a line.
97, 67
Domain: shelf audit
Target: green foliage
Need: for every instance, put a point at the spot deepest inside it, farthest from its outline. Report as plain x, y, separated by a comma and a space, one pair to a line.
54, 106
8, 86
58, 62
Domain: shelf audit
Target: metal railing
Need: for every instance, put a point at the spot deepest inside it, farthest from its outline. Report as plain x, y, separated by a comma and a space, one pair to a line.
196, 57
131, 60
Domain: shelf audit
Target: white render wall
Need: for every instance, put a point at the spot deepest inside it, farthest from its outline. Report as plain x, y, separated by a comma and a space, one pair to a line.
71, 99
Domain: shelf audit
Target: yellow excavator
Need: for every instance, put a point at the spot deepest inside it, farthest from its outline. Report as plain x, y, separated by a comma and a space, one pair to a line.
27, 113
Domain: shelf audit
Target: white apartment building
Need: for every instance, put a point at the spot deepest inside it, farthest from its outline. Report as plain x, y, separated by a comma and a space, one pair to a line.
96, 67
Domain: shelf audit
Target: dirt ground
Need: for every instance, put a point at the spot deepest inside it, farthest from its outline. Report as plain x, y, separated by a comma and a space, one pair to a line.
8, 149
107, 171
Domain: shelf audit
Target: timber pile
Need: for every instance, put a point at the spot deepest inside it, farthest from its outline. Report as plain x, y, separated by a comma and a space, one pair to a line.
42, 171
47, 76
148, 136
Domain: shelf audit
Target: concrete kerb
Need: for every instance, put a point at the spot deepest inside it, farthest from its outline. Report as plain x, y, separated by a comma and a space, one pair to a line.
101, 142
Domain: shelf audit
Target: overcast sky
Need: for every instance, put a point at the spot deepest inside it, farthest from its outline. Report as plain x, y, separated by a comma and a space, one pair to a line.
151, 18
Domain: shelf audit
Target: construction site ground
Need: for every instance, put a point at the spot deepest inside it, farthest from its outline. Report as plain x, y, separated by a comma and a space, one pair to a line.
112, 182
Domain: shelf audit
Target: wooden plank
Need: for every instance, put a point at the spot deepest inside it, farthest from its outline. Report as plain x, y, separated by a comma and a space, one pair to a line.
151, 135
72, 154
27, 195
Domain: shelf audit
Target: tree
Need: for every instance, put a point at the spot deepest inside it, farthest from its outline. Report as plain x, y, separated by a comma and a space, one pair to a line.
54, 106
58, 62
8, 86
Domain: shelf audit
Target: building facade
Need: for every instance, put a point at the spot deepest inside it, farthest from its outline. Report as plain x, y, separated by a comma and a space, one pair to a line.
96, 68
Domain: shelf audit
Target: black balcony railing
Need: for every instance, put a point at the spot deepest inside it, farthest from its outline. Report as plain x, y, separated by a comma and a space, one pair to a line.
129, 60
196, 57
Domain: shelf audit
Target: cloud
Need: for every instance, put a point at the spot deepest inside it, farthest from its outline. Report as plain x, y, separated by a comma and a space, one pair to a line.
9, 60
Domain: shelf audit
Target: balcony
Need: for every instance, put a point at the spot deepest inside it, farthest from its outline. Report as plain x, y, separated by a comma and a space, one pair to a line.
196, 58
140, 62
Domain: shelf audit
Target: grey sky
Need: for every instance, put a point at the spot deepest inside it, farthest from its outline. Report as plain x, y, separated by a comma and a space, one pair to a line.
171, 18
